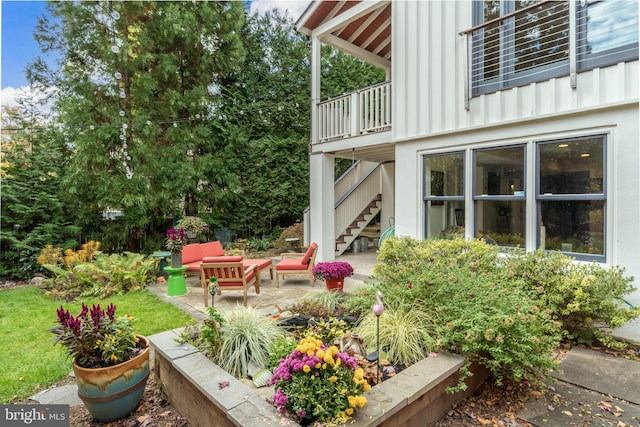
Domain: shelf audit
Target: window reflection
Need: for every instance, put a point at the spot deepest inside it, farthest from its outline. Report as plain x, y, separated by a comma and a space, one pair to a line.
500, 171
573, 226
572, 167
502, 222
444, 195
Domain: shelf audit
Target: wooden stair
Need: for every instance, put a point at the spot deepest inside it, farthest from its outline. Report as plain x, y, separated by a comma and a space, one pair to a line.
360, 226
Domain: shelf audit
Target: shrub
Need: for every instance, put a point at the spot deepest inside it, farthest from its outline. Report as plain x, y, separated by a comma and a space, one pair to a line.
584, 297
484, 312
246, 337
104, 276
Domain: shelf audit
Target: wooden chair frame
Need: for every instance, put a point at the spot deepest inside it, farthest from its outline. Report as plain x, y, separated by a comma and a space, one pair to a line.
231, 276
307, 270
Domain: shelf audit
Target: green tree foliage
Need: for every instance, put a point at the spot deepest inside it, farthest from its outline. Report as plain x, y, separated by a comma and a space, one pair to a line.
182, 108
35, 211
137, 83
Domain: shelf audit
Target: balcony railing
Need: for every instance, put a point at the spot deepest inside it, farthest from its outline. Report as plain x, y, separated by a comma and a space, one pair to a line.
547, 39
358, 113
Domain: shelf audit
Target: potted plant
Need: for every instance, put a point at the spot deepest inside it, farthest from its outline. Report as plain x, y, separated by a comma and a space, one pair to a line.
333, 273
192, 226
110, 361
316, 383
174, 242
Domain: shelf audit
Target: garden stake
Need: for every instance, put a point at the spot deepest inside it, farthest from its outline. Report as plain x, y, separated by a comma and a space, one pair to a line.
377, 309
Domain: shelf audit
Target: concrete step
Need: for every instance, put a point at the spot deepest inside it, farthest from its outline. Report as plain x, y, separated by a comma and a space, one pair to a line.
592, 388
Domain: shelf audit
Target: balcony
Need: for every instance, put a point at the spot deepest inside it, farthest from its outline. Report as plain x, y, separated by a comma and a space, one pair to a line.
546, 39
359, 113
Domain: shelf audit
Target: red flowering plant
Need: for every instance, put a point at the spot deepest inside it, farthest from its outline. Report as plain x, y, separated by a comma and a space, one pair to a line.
331, 270
96, 338
176, 239
316, 383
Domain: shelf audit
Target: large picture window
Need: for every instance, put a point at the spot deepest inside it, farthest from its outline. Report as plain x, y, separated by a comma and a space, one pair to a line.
499, 195
571, 196
566, 210
444, 195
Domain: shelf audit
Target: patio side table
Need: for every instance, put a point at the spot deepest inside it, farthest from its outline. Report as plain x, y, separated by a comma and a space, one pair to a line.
162, 256
176, 284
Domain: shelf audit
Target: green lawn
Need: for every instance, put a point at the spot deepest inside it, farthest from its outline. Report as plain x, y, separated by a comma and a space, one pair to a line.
29, 362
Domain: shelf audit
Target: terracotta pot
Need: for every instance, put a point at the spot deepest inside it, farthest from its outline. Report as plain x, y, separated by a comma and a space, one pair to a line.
335, 284
113, 392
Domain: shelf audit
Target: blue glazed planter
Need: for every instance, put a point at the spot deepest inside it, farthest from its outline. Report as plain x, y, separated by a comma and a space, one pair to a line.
112, 393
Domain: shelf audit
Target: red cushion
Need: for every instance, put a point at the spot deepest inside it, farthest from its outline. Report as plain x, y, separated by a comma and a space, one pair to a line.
291, 264
212, 249
260, 263
307, 256
193, 266
191, 253
211, 259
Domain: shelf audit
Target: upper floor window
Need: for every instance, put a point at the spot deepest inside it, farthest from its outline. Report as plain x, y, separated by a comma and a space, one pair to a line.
515, 42
607, 32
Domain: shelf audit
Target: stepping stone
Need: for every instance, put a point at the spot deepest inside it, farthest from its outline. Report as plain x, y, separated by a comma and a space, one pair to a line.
601, 372
62, 395
567, 405
593, 389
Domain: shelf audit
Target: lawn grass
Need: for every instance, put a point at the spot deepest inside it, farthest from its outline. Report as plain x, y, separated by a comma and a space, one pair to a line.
29, 362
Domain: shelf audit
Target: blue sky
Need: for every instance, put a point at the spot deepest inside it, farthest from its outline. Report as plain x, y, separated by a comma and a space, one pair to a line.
18, 48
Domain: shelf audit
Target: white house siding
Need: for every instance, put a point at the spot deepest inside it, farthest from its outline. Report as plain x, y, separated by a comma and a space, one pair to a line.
619, 123
429, 116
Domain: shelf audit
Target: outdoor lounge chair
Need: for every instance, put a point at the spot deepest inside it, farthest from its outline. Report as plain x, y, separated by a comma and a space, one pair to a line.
231, 275
296, 263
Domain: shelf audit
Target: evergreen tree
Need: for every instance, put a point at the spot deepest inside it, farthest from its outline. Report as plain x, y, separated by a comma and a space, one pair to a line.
35, 210
137, 85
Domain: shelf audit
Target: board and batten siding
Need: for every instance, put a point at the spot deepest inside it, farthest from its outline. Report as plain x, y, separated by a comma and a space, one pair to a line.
428, 74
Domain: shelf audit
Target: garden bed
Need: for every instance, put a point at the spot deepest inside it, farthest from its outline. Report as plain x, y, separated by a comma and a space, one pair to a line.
208, 396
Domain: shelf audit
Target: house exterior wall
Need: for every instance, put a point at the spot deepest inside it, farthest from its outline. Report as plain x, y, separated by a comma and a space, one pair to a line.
429, 117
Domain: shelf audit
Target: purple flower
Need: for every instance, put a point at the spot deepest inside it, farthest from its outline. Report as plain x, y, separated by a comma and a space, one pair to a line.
332, 270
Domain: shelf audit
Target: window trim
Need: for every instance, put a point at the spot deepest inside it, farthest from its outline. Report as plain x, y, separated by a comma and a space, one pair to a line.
539, 198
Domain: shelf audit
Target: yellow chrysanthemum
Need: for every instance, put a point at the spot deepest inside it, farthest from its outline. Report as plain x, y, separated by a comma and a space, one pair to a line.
366, 386
349, 411
361, 401
306, 369
352, 401
358, 374
333, 379
328, 359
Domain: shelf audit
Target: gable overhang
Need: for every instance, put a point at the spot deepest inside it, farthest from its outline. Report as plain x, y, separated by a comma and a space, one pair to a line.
359, 28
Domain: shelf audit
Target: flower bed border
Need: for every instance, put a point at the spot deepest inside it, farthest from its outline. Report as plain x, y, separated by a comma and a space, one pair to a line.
209, 396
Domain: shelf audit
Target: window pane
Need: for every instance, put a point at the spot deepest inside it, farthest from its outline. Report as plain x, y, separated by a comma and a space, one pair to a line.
500, 171
445, 219
491, 40
541, 34
610, 25
572, 167
573, 226
502, 222
444, 175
